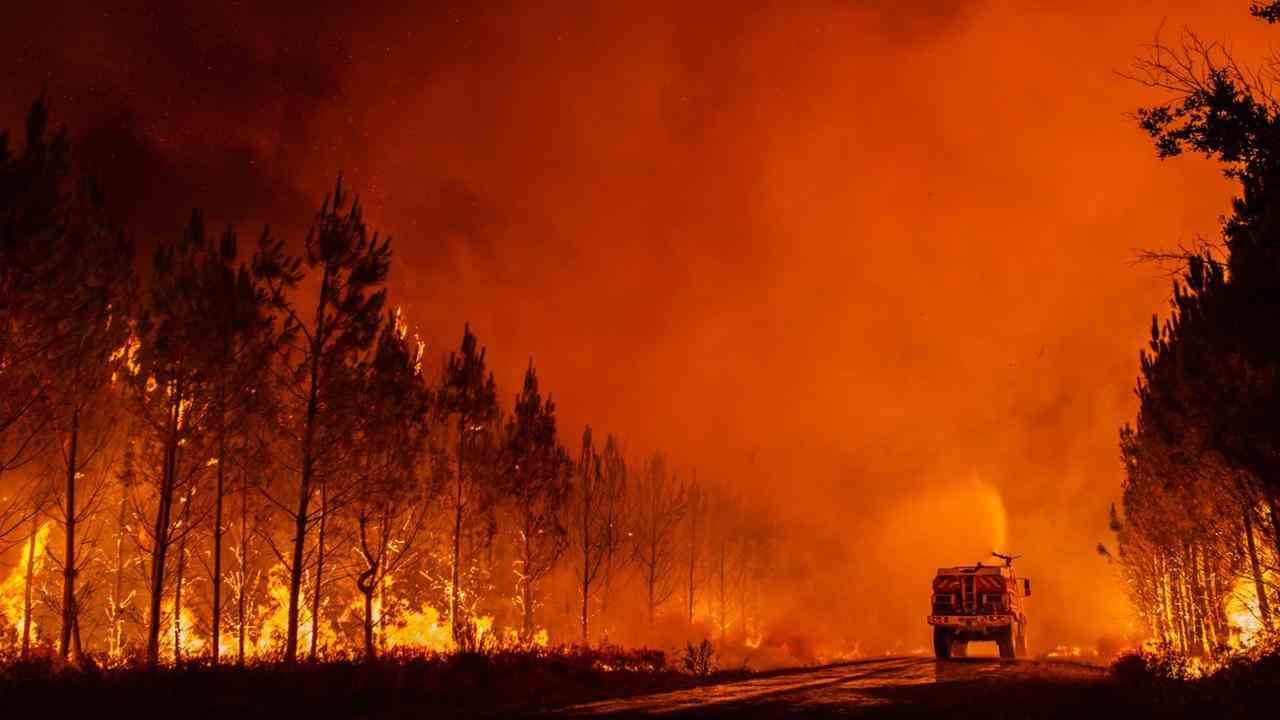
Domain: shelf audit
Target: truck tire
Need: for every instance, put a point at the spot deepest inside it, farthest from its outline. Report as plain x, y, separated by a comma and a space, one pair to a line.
942, 643
1004, 640
1020, 641
959, 648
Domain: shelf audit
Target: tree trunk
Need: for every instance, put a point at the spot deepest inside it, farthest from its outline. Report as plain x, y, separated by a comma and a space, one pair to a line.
724, 617
1199, 619
244, 570
308, 469
653, 579
299, 537
316, 595
606, 588
586, 550
1213, 594
1275, 521
1182, 605
369, 651
1157, 593
382, 614
586, 589
26, 590
69, 554
457, 537
177, 591
693, 546
160, 550
526, 591
117, 603
1259, 585
215, 621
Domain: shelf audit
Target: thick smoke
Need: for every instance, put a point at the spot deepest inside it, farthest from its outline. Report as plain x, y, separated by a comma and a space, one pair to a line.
865, 262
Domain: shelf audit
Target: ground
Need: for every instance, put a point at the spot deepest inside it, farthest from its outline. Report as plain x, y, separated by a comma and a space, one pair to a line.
577, 683
893, 687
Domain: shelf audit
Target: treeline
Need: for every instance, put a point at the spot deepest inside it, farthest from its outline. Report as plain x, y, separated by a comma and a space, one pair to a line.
243, 451
1199, 535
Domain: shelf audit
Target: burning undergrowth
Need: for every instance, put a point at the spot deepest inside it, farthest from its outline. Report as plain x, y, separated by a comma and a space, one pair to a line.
1241, 680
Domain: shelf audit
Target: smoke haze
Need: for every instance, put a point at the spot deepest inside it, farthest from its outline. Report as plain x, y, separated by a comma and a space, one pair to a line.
868, 262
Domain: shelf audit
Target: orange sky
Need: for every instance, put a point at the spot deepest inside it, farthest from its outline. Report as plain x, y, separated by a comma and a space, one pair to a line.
868, 260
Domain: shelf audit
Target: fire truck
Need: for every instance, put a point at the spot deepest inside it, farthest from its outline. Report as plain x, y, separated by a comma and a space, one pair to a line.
979, 603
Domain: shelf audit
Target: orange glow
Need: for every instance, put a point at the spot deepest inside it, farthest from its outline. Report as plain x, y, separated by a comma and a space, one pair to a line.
867, 263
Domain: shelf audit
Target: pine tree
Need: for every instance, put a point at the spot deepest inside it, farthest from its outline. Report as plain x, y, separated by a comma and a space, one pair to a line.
590, 523
469, 397
660, 503
392, 495
352, 268
537, 473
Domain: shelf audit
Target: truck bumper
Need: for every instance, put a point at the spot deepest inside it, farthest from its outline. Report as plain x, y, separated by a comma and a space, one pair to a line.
971, 621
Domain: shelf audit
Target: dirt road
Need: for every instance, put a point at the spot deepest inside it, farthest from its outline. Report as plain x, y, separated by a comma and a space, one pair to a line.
900, 687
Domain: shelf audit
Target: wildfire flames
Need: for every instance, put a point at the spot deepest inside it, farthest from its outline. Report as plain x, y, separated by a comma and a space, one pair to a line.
1244, 615
13, 590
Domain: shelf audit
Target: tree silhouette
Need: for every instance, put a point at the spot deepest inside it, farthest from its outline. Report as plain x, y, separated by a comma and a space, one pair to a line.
590, 519
468, 395
171, 361
1202, 458
392, 495
352, 268
660, 503
537, 473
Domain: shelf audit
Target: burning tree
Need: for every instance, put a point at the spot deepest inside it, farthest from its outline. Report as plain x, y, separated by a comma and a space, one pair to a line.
86, 317
596, 518
65, 288
537, 473
468, 395
240, 422
617, 518
392, 496
173, 365
660, 503
32, 217
697, 516
352, 266
1202, 458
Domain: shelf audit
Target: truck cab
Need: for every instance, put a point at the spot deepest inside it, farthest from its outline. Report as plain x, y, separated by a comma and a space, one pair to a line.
979, 603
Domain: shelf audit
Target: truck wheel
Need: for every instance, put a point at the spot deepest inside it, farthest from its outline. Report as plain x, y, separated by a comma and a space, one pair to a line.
1020, 647
959, 648
1005, 642
942, 643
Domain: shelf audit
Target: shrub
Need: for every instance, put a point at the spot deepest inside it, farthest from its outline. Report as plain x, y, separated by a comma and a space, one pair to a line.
699, 660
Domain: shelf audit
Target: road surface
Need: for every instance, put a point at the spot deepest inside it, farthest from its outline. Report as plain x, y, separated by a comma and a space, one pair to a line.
898, 686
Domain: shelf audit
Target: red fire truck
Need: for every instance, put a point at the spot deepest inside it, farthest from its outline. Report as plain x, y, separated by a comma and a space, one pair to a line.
982, 603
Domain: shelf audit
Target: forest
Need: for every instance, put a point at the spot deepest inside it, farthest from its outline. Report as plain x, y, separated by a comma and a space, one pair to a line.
232, 468
238, 450
1198, 527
